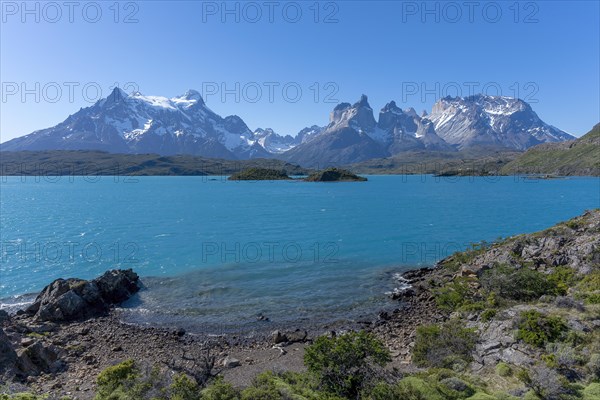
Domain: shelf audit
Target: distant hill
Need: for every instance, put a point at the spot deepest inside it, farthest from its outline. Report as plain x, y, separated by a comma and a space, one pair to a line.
88, 163
576, 157
479, 161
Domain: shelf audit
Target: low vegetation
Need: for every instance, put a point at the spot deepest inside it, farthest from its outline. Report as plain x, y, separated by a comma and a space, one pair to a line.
346, 365
465, 163
537, 329
537, 295
349, 366
259, 174
445, 345
577, 157
334, 175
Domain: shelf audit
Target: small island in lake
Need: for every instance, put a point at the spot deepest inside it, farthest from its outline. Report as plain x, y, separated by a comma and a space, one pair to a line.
334, 175
268, 174
259, 174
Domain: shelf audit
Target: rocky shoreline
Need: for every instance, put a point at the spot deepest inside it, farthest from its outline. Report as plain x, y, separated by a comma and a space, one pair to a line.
73, 331
59, 344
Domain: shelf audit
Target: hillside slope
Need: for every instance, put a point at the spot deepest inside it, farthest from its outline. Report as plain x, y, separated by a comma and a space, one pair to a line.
575, 157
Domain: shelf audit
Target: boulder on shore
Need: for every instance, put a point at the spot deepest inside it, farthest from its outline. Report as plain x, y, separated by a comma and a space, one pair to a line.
296, 336
76, 299
39, 359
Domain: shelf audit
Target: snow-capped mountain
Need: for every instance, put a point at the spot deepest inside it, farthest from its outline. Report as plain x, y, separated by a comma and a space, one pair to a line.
491, 121
347, 138
273, 142
487, 122
136, 123
308, 133
353, 135
148, 124
401, 130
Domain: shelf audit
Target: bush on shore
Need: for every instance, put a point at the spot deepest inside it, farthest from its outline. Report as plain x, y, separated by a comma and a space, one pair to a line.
347, 364
537, 329
443, 345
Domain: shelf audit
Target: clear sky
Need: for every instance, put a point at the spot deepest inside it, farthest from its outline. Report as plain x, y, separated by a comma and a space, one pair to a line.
252, 58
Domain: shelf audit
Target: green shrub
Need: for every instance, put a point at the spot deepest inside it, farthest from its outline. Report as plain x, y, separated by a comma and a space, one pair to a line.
520, 284
537, 329
220, 390
592, 298
125, 381
262, 393
572, 224
531, 395
487, 315
505, 396
385, 391
413, 388
455, 388
113, 379
561, 279
523, 376
346, 364
183, 388
453, 295
590, 282
481, 396
286, 385
593, 365
442, 345
592, 391
589, 288
503, 369
302, 384
550, 360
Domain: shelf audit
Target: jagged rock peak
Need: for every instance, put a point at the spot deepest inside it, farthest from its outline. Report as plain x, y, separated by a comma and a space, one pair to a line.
391, 107
363, 102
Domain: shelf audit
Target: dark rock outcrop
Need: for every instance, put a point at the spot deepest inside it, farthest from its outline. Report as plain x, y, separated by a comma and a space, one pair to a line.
8, 356
4, 316
297, 336
37, 359
75, 299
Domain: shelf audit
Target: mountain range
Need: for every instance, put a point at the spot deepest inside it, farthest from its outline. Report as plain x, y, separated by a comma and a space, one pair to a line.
134, 123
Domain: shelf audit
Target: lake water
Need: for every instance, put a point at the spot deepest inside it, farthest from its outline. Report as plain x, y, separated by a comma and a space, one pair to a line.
214, 254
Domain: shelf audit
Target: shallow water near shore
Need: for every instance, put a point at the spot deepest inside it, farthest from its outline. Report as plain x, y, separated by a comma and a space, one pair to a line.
216, 255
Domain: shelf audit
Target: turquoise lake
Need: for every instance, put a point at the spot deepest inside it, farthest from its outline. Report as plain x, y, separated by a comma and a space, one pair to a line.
214, 254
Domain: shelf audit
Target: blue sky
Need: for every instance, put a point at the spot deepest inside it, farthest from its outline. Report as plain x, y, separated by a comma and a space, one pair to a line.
547, 53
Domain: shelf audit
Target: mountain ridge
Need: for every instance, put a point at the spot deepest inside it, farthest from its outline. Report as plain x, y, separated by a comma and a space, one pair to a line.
136, 124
